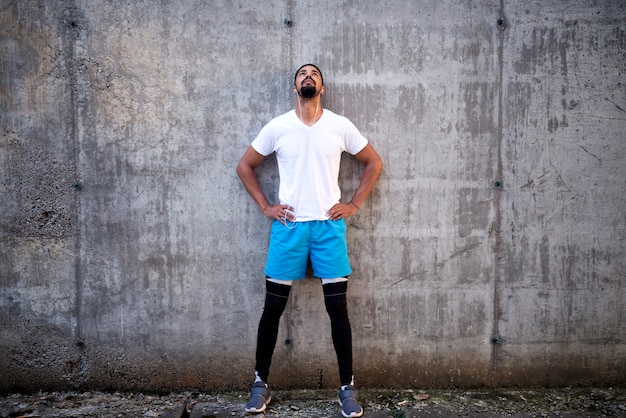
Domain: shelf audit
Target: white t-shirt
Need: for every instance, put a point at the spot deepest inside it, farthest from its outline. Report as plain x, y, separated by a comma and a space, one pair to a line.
308, 159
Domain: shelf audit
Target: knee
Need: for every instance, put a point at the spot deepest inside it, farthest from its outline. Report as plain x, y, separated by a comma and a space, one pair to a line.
336, 307
276, 299
335, 300
274, 306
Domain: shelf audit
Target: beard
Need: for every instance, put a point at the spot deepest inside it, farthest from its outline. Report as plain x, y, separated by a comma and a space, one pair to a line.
308, 92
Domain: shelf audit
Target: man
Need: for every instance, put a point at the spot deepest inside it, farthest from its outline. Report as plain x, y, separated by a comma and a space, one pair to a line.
308, 221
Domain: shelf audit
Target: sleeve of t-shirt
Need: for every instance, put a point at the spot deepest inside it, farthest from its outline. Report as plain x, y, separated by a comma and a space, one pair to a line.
264, 142
354, 140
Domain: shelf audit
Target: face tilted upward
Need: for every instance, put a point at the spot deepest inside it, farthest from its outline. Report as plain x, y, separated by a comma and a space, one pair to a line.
308, 81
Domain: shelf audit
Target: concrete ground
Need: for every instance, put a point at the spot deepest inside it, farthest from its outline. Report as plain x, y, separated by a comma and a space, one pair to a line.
519, 403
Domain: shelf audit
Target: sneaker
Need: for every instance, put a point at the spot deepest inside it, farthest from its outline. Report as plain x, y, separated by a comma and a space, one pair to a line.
259, 397
349, 405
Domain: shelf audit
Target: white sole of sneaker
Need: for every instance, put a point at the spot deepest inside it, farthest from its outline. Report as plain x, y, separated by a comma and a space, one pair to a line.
259, 410
353, 414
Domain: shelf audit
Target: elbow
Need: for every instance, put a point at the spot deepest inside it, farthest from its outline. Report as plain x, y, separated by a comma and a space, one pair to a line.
378, 166
240, 170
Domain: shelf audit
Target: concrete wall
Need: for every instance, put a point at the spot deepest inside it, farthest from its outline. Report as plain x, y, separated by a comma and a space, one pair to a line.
491, 251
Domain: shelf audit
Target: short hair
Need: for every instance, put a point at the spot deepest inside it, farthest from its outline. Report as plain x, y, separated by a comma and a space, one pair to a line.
306, 65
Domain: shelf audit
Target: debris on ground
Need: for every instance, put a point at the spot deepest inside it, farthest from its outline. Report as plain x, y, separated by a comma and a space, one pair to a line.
517, 403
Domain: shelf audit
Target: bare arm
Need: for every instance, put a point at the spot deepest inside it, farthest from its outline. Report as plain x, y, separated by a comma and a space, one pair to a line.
250, 160
373, 167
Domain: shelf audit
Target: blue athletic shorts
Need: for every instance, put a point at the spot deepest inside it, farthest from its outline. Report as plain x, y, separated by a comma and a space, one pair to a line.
324, 242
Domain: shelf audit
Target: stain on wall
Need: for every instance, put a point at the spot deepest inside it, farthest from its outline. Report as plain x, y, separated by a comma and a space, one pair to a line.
489, 253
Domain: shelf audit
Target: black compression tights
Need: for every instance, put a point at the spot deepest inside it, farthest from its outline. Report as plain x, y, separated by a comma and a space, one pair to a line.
337, 308
336, 305
276, 296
